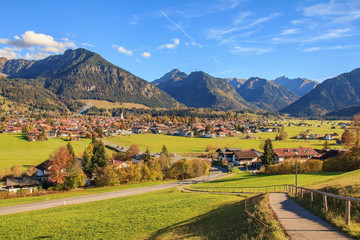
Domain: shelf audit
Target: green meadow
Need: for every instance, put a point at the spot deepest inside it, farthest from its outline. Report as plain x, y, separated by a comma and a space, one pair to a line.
167, 214
178, 144
14, 149
243, 179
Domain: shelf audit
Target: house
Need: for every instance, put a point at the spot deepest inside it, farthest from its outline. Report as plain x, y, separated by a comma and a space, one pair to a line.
248, 157
288, 154
328, 137
43, 170
227, 154
22, 183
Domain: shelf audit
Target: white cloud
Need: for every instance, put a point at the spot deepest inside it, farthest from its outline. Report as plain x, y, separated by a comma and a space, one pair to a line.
216, 60
174, 44
46, 42
312, 49
8, 53
290, 31
37, 55
87, 45
249, 50
331, 34
121, 49
146, 54
345, 11
337, 47
37, 45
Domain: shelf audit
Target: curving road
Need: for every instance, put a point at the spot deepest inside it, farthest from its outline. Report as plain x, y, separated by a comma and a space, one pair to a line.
215, 173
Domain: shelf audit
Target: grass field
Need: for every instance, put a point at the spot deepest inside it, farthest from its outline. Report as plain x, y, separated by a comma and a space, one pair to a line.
168, 214
250, 180
14, 149
77, 192
109, 105
177, 144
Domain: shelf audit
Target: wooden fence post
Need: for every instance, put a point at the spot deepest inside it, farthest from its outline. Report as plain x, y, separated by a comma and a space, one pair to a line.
302, 193
347, 212
311, 198
325, 203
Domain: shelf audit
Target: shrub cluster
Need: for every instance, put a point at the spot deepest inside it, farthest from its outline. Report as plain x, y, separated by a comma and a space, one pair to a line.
287, 167
348, 161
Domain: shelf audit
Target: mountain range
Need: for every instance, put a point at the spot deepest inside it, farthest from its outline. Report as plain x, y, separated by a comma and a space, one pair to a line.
82, 74
299, 86
200, 90
59, 82
332, 94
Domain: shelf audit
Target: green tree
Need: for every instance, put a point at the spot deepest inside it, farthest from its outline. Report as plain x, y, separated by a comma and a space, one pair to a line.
99, 158
71, 151
267, 158
86, 161
75, 179
326, 145
146, 157
164, 151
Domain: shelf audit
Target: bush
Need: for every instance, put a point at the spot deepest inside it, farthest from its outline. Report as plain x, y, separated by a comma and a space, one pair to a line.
75, 179
309, 166
184, 169
349, 161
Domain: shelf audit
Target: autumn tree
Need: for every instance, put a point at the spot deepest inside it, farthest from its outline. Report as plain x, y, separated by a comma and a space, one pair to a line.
75, 179
17, 170
133, 150
355, 127
347, 138
164, 151
304, 135
282, 136
61, 160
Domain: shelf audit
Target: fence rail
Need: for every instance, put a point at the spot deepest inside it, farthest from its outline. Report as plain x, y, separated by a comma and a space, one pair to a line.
296, 191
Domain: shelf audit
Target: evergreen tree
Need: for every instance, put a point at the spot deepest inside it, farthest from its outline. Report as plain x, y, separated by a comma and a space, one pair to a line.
99, 158
267, 158
164, 151
146, 156
86, 161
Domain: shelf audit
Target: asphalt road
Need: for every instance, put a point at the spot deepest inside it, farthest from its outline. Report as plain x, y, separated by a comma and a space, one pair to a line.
299, 223
215, 173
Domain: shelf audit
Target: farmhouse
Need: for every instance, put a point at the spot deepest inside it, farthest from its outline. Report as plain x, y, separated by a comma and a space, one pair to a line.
21, 183
288, 154
239, 156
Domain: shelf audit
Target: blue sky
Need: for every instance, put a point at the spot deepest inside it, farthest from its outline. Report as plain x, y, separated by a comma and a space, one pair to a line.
225, 38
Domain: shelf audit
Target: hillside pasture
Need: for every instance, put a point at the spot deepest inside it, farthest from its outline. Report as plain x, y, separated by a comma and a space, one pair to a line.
14, 149
167, 214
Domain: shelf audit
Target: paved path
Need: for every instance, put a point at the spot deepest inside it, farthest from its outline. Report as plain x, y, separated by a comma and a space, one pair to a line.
215, 173
298, 222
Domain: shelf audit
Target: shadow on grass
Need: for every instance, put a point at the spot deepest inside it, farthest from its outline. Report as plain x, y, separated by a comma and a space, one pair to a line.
22, 137
227, 222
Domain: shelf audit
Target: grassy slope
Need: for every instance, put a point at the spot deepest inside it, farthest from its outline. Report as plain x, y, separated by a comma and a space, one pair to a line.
77, 192
249, 180
158, 215
14, 149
